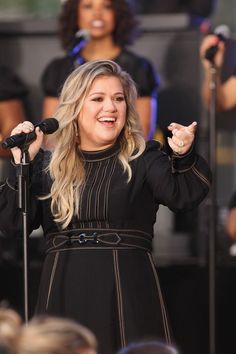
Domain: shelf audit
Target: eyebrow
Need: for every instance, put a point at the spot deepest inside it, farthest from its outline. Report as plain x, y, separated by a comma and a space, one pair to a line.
103, 93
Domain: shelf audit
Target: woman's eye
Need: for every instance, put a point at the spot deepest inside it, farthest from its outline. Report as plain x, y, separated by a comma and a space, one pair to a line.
86, 6
119, 98
97, 99
108, 7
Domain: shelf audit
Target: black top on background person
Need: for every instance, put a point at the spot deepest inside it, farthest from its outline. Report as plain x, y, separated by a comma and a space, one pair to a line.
11, 86
112, 25
201, 8
98, 203
12, 94
138, 67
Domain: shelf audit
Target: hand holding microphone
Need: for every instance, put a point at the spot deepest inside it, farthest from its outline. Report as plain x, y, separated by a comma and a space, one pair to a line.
27, 134
213, 47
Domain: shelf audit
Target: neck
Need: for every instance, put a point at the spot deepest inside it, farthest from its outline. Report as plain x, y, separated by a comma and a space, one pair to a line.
100, 49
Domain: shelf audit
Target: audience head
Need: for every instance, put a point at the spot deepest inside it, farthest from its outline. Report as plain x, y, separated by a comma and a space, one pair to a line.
10, 324
149, 347
121, 12
52, 335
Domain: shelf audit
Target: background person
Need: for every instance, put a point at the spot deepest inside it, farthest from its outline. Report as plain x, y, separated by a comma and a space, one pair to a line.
54, 335
225, 100
231, 218
112, 26
10, 325
12, 92
225, 90
98, 202
149, 347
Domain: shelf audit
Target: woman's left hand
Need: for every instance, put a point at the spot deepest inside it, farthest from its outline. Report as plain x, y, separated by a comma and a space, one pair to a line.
182, 137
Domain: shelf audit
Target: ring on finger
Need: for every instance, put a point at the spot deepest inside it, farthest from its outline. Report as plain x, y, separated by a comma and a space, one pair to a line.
179, 150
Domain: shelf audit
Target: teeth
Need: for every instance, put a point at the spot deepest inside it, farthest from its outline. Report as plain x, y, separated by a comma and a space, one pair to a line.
97, 23
106, 119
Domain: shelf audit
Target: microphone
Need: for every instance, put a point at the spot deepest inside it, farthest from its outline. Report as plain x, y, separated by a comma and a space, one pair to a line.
48, 126
81, 38
223, 33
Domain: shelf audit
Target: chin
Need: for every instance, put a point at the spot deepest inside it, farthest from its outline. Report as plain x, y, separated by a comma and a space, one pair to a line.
107, 142
108, 137
97, 34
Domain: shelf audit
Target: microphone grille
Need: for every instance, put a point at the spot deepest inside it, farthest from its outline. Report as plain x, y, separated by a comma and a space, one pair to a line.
49, 125
222, 30
83, 33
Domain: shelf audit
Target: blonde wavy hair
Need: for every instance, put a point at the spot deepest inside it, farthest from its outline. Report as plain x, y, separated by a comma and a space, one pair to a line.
67, 166
55, 335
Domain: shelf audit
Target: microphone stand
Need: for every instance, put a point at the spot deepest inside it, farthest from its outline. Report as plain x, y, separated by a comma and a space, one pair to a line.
212, 211
23, 204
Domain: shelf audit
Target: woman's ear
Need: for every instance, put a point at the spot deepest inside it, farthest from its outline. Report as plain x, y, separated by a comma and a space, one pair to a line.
76, 127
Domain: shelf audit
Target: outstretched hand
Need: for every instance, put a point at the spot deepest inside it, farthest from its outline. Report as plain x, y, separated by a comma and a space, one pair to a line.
182, 137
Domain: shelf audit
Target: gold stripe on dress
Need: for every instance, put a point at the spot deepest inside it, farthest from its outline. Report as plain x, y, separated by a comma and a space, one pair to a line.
163, 310
201, 176
119, 298
52, 277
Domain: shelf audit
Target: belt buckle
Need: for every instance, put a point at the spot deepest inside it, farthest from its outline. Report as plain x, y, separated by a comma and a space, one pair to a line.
83, 238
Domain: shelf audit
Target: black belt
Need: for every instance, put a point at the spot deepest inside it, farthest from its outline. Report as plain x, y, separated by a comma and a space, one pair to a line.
90, 238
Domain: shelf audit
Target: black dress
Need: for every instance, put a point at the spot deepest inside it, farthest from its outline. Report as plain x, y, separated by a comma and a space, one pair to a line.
140, 69
100, 270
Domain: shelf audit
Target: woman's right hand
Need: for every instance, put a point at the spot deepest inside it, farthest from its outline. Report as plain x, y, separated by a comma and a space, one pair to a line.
207, 42
27, 127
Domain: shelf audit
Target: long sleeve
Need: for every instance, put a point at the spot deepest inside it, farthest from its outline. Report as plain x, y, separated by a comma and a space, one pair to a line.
10, 214
179, 182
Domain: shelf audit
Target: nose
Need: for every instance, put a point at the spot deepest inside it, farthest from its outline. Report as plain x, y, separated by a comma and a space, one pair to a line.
109, 105
97, 10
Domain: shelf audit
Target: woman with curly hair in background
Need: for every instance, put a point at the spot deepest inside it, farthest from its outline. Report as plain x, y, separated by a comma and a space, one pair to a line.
111, 25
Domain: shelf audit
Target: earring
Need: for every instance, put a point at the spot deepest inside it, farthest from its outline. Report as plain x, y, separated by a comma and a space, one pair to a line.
129, 130
76, 128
